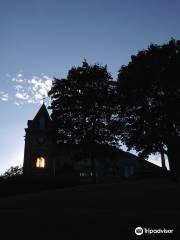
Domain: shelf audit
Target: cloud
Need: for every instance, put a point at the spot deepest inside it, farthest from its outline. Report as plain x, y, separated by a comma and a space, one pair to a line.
17, 80
22, 95
31, 90
22, 90
19, 75
18, 87
4, 96
16, 103
4, 99
38, 96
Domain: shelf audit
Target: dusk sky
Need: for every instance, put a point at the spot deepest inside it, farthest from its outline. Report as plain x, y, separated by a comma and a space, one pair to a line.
42, 39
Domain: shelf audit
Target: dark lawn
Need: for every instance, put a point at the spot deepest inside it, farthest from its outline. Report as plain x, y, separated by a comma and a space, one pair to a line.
102, 211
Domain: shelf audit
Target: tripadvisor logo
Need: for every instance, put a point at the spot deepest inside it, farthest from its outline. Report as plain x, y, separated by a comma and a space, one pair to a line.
140, 231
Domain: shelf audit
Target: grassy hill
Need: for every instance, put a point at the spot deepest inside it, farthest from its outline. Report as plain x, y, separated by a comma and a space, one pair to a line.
101, 211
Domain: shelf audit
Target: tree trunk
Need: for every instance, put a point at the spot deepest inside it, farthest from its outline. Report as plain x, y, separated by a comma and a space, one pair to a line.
163, 162
172, 166
173, 158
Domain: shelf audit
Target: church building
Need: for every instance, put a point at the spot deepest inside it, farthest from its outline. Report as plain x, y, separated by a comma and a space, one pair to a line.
38, 151
42, 156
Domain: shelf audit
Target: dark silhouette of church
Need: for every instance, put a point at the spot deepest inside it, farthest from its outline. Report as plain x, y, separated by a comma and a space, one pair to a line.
42, 156
38, 152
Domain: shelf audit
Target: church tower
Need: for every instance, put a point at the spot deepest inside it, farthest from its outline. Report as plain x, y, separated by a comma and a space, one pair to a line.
38, 151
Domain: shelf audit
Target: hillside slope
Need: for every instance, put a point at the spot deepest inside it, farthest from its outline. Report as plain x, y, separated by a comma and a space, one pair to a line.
102, 211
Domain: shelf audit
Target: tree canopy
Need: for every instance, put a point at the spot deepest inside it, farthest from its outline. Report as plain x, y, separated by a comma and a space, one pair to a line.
141, 108
13, 172
82, 107
149, 101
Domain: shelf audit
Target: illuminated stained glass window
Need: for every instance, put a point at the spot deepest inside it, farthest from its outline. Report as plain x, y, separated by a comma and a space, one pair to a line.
40, 162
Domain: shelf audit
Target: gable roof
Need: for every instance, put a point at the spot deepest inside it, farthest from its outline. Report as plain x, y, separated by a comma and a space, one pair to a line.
41, 120
42, 113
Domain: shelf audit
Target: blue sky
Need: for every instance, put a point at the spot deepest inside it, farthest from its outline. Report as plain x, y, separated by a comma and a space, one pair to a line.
42, 39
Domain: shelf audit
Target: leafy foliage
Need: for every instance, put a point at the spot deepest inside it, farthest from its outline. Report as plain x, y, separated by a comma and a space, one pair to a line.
149, 100
82, 107
13, 172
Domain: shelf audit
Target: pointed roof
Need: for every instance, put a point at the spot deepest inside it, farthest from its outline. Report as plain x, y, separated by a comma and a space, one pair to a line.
41, 120
42, 113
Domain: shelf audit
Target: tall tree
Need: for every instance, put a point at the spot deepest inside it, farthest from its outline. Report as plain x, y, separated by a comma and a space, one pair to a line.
82, 108
149, 102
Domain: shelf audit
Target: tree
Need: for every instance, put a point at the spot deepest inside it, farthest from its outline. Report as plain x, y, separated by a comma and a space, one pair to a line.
82, 108
13, 172
149, 102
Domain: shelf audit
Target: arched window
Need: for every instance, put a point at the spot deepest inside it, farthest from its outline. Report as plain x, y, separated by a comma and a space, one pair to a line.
40, 162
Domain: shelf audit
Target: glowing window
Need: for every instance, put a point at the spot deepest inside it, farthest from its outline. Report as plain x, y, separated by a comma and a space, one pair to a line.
40, 162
